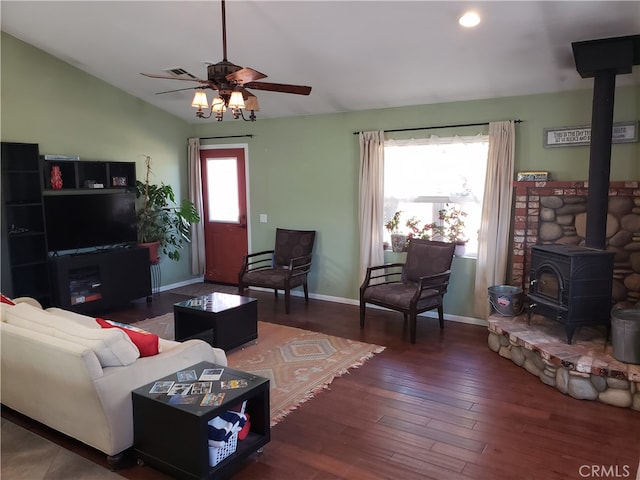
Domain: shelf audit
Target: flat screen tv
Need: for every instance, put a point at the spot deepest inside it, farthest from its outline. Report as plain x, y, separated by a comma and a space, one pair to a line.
98, 219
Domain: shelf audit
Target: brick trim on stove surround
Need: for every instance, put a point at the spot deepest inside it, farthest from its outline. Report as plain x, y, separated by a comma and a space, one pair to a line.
527, 217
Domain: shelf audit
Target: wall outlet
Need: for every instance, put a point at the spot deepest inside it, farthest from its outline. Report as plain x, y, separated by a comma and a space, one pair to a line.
263, 218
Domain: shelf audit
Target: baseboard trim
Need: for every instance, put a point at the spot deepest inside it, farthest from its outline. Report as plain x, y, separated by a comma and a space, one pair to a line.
351, 301
184, 283
346, 301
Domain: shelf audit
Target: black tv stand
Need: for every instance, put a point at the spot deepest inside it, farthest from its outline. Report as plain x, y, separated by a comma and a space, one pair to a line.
97, 251
97, 281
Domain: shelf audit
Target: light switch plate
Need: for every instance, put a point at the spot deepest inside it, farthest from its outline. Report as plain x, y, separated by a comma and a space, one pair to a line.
263, 218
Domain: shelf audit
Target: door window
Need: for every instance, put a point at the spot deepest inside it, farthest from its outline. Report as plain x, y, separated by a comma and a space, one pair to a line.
222, 188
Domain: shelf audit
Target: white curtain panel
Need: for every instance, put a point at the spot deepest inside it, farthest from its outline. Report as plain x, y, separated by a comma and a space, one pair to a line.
493, 246
195, 195
371, 200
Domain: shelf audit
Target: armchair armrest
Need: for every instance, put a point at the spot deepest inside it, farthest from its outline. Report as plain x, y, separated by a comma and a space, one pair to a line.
437, 281
373, 274
299, 265
257, 260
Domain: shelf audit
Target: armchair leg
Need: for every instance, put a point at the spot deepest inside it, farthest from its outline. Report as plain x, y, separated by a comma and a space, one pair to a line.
412, 327
287, 301
441, 317
306, 292
240, 289
363, 307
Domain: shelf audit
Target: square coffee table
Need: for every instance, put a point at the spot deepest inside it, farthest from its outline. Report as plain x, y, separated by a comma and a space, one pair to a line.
221, 319
172, 435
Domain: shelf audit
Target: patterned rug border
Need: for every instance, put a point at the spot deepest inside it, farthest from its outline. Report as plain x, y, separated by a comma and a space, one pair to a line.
257, 351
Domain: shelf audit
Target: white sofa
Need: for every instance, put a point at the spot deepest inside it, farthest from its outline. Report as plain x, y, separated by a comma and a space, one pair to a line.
60, 368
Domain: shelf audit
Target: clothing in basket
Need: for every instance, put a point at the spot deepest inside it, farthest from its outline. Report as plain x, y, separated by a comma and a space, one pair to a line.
222, 427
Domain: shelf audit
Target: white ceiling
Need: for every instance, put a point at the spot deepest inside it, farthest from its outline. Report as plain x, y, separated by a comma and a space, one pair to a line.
357, 55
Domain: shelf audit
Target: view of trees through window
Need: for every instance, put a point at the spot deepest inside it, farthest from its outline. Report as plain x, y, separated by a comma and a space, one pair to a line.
437, 185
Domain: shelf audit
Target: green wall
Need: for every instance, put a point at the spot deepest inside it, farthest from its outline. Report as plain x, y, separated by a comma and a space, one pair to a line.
67, 111
303, 171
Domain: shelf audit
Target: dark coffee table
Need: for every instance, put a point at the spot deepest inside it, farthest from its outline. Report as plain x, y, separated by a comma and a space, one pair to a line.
223, 320
172, 436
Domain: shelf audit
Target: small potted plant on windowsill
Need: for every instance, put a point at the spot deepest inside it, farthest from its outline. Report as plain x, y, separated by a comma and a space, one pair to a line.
161, 222
452, 227
415, 231
398, 241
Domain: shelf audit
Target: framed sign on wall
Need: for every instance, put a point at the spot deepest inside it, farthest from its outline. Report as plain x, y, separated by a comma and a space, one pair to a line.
623, 132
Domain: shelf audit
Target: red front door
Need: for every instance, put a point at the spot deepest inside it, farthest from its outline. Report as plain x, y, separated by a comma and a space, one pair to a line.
225, 211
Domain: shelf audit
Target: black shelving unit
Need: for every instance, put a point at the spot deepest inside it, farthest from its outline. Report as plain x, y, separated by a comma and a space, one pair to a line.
95, 281
89, 175
24, 246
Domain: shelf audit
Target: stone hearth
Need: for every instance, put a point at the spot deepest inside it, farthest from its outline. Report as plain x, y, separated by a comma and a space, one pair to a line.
585, 370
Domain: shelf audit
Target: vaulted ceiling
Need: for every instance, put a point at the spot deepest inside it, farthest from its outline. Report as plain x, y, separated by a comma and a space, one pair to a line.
357, 55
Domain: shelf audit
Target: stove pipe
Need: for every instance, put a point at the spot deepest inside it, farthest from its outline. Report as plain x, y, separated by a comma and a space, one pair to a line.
600, 158
602, 59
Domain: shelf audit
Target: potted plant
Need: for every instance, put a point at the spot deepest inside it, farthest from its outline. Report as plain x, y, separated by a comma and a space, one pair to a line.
161, 222
452, 227
415, 231
398, 241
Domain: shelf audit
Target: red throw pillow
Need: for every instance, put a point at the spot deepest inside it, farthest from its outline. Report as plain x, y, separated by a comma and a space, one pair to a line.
6, 300
146, 342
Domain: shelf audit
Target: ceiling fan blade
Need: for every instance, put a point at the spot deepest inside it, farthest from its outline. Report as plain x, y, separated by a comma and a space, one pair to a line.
168, 77
279, 87
245, 75
178, 90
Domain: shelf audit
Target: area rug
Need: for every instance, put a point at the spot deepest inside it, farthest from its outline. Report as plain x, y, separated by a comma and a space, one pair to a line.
299, 363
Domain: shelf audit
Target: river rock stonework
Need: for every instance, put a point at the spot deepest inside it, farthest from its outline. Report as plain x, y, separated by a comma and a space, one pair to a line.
585, 370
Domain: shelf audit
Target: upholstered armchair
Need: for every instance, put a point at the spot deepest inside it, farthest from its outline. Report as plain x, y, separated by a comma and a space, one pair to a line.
412, 287
283, 268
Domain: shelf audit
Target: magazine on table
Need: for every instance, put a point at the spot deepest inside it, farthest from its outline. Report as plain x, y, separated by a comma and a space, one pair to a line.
211, 374
180, 389
161, 387
212, 400
182, 399
237, 383
200, 387
187, 375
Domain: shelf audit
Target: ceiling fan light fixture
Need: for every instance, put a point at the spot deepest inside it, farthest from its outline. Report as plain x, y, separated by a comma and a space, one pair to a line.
236, 100
217, 104
252, 104
230, 82
200, 100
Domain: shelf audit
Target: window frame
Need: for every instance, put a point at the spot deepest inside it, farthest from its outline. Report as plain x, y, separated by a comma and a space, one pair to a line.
441, 201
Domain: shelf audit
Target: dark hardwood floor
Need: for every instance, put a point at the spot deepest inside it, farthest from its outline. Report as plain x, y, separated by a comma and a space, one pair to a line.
444, 408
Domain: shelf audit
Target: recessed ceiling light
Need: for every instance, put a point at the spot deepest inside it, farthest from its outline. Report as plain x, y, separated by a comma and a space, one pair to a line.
469, 19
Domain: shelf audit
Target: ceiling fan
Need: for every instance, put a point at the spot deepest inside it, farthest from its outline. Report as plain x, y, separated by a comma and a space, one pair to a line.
231, 82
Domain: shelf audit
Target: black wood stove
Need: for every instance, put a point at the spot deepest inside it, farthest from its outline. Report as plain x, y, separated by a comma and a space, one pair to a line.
572, 285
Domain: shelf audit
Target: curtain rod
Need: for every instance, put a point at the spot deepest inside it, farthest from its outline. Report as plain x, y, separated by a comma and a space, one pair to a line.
438, 126
227, 136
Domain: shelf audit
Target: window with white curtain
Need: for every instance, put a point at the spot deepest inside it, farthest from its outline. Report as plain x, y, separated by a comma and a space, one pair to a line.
424, 176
